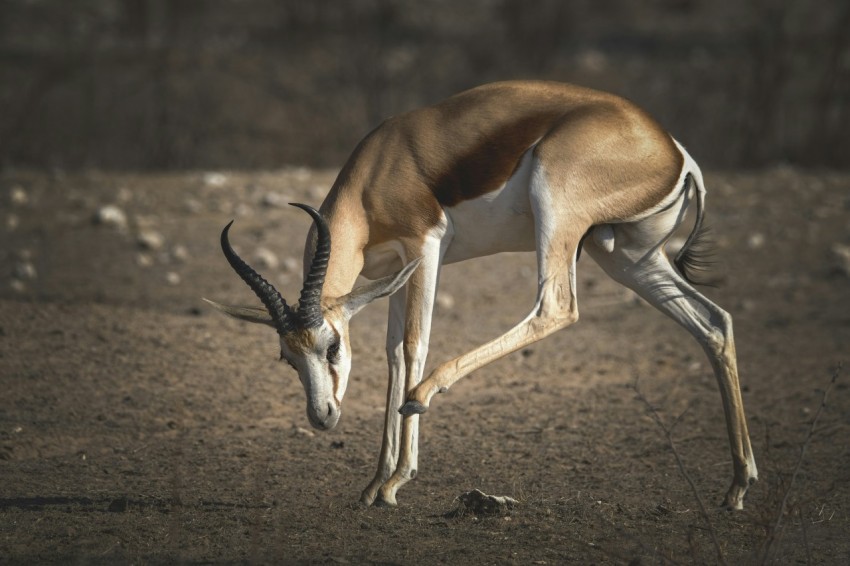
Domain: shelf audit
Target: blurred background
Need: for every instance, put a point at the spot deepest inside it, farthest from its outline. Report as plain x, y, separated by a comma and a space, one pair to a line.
167, 84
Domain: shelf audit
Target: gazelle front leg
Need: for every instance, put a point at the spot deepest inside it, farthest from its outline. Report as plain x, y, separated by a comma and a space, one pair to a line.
395, 396
556, 308
421, 290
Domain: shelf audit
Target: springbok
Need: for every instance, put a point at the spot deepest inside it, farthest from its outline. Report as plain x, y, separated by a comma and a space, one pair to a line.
511, 166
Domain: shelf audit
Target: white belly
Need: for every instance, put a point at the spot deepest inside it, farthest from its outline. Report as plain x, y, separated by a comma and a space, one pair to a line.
499, 221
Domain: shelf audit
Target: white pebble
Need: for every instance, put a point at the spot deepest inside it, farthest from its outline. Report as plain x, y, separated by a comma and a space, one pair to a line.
180, 253
291, 265
150, 240
274, 200
841, 256
266, 259
172, 278
241, 210
213, 179
444, 300
144, 260
25, 270
755, 241
112, 216
193, 206
12, 222
19, 196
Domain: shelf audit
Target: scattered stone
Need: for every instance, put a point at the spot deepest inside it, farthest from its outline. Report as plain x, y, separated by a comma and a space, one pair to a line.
241, 210
298, 431
124, 195
193, 206
25, 270
19, 196
274, 200
144, 260
12, 222
150, 240
172, 278
180, 253
593, 60
213, 179
266, 259
111, 216
317, 193
445, 300
841, 257
17, 285
479, 503
755, 241
290, 265
301, 173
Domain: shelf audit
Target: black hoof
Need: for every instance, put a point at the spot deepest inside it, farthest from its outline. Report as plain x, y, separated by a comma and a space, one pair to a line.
412, 408
380, 502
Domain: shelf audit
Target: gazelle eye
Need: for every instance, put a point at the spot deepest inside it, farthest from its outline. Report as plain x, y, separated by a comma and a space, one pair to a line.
333, 352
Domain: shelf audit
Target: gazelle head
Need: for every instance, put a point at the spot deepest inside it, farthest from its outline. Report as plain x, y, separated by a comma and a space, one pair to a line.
314, 333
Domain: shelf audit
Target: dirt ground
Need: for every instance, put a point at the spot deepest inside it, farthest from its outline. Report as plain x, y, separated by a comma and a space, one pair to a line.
138, 426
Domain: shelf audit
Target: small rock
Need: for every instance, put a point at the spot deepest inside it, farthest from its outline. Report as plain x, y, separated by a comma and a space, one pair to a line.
112, 216
25, 270
274, 200
841, 257
479, 503
124, 195
144, 260
193, 206
317, 193
266, 258
213, 179
290, 265
755, 241
301, 173
150, 240
241, 210
172, 278
445, 300
17, 285
19, 196
180, 253
12, 222
298, 431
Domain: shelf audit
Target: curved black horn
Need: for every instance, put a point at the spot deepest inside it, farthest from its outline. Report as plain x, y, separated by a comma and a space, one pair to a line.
274, 302
309, 305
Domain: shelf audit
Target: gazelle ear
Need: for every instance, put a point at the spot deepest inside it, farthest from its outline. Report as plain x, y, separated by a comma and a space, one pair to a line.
250, 314
362, 296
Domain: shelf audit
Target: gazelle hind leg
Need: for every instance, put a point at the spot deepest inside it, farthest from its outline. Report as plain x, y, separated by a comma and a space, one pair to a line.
646, 270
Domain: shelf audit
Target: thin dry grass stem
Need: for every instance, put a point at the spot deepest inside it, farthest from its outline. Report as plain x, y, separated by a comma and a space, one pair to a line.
668, 433
773, 534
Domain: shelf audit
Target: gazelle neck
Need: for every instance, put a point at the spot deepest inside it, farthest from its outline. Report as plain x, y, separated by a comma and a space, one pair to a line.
349, 235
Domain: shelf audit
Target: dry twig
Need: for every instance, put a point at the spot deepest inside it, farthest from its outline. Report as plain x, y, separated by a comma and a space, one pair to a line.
668, 433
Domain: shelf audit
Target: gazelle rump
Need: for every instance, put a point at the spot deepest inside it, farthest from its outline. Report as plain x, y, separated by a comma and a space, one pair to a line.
512, 166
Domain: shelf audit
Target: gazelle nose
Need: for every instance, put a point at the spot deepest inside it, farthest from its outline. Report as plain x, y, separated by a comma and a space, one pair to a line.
326, 419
